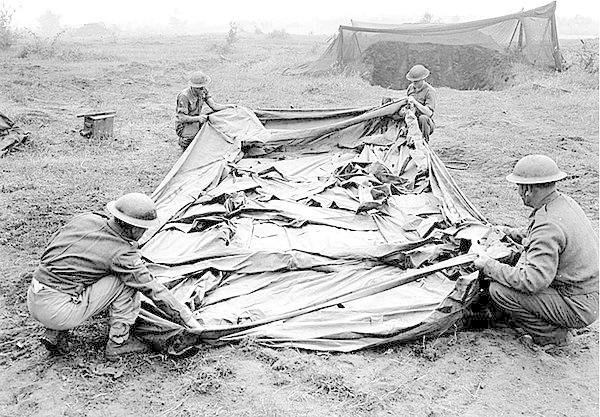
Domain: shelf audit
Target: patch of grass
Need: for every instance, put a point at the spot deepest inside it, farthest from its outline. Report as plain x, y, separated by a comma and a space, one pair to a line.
334, 385
587, 56
7, 34
278, 34
231, 39
291, 366
432, 350
208, 378
40, 46
265, 355
582, 54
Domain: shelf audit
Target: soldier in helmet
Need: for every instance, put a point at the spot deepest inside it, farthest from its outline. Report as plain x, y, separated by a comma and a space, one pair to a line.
188, 117
93, 264
422, 96
554, 286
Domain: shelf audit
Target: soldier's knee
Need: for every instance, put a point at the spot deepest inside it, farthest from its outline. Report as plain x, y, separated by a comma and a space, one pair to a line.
498, 293
184, 142
137, 300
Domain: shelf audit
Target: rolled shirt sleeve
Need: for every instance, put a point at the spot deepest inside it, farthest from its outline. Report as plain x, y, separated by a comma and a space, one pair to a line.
182, 107
430, 99
128, 267
537, 267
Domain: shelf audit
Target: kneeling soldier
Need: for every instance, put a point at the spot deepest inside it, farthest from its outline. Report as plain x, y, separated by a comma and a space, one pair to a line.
554, 286
92, 264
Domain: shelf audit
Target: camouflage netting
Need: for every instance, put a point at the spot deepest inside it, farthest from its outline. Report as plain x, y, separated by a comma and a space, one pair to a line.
529, 36
462, 67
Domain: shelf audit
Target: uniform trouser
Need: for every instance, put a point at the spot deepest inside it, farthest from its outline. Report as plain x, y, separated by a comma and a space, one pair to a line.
426, 125
60, 311
548, 315
185, 142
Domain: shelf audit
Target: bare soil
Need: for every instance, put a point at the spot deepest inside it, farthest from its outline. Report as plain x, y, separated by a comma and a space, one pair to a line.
59, 173
461, 67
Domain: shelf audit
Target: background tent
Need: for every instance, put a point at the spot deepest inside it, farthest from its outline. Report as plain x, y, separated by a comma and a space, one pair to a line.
530, 35
309, 228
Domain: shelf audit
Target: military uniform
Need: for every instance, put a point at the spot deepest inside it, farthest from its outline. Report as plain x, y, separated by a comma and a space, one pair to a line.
88, 267
426, 95
554, 286
190, 105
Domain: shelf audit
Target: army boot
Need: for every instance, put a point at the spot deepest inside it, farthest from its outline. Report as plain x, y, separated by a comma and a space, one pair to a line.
55, 341
132, 345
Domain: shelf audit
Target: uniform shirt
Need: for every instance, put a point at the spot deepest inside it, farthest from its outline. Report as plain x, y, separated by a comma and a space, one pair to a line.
560, 251
191, 105
91, 247
425, 95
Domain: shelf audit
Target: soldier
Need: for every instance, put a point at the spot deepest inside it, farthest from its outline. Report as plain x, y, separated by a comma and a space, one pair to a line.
422, 96
188, 117
554, 285
92, 264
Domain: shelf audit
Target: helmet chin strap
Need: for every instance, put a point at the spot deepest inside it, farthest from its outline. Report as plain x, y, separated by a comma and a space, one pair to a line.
525, 192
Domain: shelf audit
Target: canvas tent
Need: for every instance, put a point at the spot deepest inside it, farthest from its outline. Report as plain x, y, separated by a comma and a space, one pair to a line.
317, 229
529, 34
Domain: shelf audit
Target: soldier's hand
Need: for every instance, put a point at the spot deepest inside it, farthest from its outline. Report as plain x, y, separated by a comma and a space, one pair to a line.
482, 256
481, 260
202, 118
501, 229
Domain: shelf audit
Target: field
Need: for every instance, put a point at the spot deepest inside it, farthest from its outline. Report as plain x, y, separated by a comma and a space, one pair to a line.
59, 173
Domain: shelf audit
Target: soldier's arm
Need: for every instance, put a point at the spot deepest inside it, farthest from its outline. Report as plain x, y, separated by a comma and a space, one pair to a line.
537, 267
431, 101
515, 233
424, 109
128, 267
181, 112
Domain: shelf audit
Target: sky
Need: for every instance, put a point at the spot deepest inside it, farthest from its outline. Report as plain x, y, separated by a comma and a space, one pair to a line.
320, 16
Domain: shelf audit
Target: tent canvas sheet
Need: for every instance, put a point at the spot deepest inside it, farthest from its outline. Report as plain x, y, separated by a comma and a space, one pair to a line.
319, 229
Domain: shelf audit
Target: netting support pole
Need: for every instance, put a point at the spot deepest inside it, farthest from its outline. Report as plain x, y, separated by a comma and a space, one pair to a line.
341, 48
357, 45
512, 38
520, 35
558, 61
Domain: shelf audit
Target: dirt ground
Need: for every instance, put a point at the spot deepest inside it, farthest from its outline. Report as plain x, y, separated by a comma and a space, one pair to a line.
59, 173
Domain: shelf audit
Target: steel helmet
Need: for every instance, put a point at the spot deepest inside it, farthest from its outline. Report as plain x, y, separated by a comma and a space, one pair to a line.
417, 73
199, 79
136, 209
535, 169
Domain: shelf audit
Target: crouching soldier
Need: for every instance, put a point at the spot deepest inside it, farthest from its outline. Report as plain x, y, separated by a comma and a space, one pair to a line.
92, 264
188, 112
422, 96
554, 286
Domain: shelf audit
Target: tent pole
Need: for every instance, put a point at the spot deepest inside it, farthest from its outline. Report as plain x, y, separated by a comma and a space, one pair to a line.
558, 62
512, 38
357, 43
341, 48
520, 34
